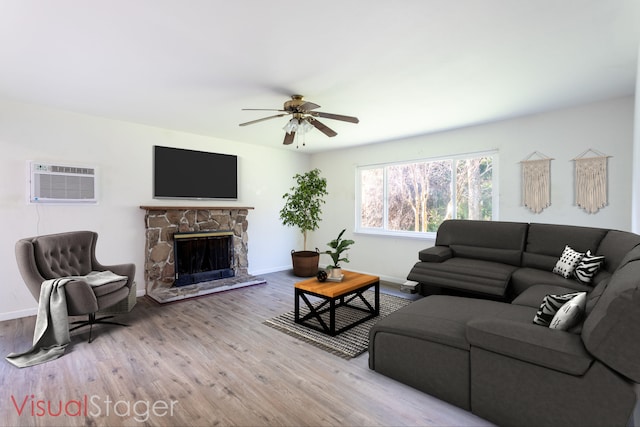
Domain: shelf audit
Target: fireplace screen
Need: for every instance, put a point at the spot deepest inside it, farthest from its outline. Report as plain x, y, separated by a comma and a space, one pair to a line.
202, 256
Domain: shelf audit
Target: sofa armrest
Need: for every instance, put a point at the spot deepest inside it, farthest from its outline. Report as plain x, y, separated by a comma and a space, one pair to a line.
435, 254
554, 349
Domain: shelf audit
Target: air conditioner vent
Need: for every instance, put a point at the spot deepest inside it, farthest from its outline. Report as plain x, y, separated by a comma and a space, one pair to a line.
62, 184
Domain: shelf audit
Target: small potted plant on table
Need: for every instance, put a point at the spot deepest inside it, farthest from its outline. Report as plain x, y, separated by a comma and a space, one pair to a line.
339, 245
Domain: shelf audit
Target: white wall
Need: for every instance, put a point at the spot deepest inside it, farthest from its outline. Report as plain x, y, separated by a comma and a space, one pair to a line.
562, 135
635, 211
122, 153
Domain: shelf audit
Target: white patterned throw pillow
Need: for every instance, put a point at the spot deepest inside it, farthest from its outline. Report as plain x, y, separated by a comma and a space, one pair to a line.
588, 267
568, 262
550, 306
570, 313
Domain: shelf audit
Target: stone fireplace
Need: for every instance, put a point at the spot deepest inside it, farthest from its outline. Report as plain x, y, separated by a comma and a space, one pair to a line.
162, 223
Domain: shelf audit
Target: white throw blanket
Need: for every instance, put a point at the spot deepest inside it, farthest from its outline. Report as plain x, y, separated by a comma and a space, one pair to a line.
51, 333
99, 278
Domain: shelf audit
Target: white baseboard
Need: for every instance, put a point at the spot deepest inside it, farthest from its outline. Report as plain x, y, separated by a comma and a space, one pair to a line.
11, 315
269, 270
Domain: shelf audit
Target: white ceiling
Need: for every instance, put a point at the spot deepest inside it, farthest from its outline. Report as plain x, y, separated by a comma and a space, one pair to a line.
403, 67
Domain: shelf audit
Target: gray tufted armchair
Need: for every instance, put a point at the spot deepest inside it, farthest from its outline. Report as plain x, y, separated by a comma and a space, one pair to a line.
72, 254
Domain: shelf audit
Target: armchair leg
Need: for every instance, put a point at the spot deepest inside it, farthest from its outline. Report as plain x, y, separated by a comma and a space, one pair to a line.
92, 320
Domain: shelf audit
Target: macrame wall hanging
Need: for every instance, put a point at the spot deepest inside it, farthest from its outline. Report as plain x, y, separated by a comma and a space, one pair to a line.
536, 182
591, 180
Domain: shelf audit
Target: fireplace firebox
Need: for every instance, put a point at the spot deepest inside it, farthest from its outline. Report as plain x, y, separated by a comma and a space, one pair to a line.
202, 256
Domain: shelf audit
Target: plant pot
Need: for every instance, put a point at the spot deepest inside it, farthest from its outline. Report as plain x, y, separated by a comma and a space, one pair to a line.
305, 263
335, 273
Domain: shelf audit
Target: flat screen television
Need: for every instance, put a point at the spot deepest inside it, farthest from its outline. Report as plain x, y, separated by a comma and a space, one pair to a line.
189, 174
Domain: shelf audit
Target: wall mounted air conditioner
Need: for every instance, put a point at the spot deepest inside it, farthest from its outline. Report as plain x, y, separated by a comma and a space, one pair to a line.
62, 184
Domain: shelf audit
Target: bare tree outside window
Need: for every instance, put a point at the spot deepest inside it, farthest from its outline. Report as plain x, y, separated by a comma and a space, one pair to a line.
420, 195
372, 186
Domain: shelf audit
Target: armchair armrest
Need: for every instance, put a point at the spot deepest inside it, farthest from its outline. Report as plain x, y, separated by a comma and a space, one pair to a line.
80, 298
554, 349
435, 254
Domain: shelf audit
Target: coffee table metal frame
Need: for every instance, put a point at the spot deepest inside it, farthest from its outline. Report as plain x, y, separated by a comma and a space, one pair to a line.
334, 297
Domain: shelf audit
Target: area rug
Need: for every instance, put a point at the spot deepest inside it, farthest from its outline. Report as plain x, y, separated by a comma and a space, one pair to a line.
348, 344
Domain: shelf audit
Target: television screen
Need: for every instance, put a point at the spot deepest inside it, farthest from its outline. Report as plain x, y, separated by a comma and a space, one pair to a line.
190, 174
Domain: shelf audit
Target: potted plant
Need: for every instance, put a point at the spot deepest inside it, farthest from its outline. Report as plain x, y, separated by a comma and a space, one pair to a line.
338, 245
302, 209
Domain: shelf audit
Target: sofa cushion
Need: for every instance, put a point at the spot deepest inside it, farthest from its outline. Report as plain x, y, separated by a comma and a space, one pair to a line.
465, 274
533, 296
615, 245
524, 278
611, 332
504, 256
540, 261
545, 243
594, 296
443, 318
558, 350
508, 236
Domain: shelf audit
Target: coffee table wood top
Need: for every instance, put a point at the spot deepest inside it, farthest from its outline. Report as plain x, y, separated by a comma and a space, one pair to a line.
349, 283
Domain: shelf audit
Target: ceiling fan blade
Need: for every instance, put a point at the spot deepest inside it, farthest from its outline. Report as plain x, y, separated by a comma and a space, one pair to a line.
323, 128
349, 119
263, 119
307, 106
263, 109
288, 138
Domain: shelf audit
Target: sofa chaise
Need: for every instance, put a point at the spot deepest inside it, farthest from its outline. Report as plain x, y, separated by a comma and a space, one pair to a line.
480, 348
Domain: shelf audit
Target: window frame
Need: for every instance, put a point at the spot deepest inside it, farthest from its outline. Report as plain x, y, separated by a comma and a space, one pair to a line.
384, 231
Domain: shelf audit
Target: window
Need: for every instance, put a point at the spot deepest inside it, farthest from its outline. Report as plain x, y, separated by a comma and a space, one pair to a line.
413, 198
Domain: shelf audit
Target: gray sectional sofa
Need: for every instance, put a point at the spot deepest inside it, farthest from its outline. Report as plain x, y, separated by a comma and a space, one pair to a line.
480, 350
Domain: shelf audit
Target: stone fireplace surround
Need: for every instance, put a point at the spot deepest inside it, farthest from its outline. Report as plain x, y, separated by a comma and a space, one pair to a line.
162, 222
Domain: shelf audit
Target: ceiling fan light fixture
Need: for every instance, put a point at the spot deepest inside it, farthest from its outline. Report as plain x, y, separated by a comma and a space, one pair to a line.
299, 126
291, 126
305, 126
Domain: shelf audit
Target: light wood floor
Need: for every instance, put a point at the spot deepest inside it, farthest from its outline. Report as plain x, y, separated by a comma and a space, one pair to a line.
217, 362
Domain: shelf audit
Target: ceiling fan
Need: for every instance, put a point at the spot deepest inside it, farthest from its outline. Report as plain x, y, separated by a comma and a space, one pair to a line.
303, 118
